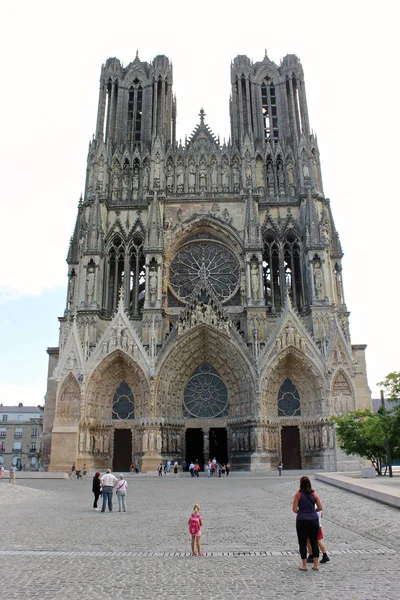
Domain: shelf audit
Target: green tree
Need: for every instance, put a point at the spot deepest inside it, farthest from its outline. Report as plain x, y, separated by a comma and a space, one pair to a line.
391, 383
364, 433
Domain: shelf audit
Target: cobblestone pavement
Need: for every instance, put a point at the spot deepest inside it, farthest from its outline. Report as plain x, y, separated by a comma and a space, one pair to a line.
54, 546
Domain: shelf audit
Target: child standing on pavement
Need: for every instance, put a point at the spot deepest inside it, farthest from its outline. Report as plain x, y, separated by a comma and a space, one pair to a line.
325, 558
195, 522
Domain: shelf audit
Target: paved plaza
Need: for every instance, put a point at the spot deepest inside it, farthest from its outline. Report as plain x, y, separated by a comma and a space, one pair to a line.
55, 546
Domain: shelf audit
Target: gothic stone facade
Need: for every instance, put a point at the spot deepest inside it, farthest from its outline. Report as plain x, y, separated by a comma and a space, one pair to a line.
205, 310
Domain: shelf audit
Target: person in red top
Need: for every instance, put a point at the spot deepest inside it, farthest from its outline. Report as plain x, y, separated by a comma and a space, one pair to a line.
306, 503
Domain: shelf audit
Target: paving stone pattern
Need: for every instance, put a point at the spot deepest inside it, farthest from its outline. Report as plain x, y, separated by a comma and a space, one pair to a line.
54, 546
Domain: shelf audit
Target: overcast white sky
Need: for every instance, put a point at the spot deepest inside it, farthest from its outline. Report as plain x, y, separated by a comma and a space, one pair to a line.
52, 53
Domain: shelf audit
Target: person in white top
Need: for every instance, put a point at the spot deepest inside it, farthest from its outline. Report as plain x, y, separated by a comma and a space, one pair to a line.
108, 483
121, 493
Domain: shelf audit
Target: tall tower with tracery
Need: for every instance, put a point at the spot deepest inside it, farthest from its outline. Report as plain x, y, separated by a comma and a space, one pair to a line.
205, 313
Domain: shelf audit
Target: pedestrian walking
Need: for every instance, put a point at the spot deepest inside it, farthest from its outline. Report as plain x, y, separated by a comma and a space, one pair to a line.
195, 523
227, 468
108, 483
131, 467
184, 466
84, 471
280, 467
11, 473
1, 470
160, 469
137, 467
96, 489
191, 469
305, 505
176, 468
73, 469
121, 493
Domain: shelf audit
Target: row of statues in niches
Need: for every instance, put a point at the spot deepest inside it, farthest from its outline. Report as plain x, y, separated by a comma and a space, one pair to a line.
197, 174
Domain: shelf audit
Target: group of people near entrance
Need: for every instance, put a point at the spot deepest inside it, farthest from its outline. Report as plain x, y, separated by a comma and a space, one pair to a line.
104, 485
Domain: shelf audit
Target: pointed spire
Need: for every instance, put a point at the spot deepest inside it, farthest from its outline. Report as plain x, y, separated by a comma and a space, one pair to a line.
154, 231
252, 231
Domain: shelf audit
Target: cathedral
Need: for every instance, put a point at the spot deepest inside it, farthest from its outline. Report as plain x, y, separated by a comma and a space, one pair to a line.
205, 314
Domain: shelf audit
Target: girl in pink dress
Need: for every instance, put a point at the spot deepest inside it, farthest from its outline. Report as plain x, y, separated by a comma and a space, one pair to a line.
195, 522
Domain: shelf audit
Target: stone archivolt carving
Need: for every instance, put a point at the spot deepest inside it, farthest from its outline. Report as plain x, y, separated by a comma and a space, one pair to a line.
290, 336
342, 396
68, 405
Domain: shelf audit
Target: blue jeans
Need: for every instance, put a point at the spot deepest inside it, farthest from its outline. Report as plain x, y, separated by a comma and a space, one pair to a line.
107, 497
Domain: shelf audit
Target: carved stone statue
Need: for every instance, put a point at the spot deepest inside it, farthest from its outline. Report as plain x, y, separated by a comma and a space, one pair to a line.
255, 282
202, 178
281, 180
157, 170
306, 170
179, 177
318, 281
192, 177
290, 174
214, 176
248, 173
71, 290
145, 177
225, 175
170, 178
135, 179
145, 442
270, 181
315, 170
90, 279
153, 284
159, 442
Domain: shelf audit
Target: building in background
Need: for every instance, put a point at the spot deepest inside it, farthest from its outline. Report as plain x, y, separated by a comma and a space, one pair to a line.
205, 312
20, 431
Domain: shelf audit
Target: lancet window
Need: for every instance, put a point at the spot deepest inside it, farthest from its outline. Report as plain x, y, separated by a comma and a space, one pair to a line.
293, 270
288, 400
116, 268
110, 110
273, 289
135, 108
282, 269
137, 276
270, 110
123, 403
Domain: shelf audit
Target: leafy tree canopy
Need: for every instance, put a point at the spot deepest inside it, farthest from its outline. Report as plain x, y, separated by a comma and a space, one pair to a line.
391, 383
365, 434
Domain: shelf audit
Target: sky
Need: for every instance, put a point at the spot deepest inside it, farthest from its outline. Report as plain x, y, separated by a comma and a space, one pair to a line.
52, 54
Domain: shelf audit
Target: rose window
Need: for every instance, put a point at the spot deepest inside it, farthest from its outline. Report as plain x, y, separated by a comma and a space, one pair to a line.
205, 395
206, 261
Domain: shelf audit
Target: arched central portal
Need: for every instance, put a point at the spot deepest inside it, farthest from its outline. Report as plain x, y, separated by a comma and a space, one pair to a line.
122, 450
205, 381
219, 444
194, 446
291, 457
